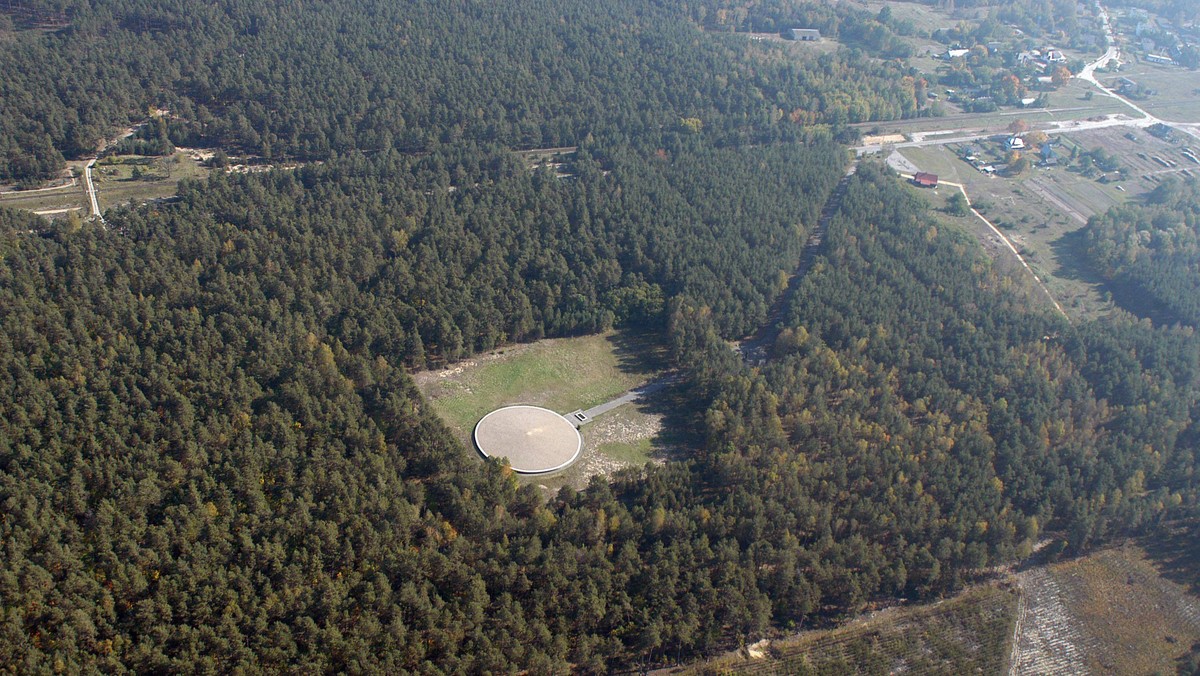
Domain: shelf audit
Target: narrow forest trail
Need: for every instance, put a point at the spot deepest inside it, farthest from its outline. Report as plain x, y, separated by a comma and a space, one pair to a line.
756, 348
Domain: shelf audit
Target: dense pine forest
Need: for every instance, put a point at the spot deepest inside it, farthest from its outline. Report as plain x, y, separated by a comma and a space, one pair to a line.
305, 80
212, 456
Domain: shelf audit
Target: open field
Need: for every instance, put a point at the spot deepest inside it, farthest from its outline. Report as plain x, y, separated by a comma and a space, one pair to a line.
1132, 609
115, 184
552, 158
1043, 210
1177, 99
796, 47
1109, 612
562, 374
57, 203
964, 635
57, 198
1026, 219
626, 435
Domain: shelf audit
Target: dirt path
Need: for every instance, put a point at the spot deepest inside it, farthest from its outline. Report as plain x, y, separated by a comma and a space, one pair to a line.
51, 212
1046, 193
1008, 243
64, 186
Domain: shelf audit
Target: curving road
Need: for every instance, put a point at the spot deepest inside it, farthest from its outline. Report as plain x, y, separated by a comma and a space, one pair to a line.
1113, 53
961, 134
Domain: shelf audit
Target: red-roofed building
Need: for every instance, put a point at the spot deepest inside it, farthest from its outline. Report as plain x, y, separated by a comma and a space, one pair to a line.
925, 180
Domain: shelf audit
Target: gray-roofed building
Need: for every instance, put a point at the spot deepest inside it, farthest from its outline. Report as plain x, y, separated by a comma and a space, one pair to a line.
805, 34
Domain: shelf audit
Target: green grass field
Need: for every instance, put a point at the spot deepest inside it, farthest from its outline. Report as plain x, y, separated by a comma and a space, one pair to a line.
115, 185
68, 197
926, 19
561, 374
938, 160
1177, 97
115, 182
1029, 209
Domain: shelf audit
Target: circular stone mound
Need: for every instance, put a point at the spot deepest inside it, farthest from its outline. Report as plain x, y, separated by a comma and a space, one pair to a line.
535, 440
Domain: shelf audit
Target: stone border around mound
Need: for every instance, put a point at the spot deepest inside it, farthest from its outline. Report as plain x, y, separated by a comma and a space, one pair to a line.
530, 471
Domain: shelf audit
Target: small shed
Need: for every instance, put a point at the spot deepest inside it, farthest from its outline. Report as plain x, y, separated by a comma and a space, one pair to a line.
805, 34
925, 180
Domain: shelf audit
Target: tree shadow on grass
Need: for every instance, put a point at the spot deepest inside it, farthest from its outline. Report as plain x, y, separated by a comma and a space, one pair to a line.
682, 418
1175, 551
643, 352
1070, 251
639, 351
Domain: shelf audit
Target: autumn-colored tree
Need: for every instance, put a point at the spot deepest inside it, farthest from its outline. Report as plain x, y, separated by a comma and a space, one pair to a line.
1035, 138
1017, 163
1060, 76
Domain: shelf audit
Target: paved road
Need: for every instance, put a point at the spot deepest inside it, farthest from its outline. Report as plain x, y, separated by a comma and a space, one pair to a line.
89, 186
632, 395
91, 189
961, 134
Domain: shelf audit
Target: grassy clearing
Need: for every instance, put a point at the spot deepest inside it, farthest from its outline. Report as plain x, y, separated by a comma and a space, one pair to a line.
629, 453
768, 46
1041, 212
564, 374
927, 19
68, 196
547, 157
561, 374
1177, 98
1135, 620
963, 635
116, 183
52, 200
1072, 96
625, 434
937, 160
629, 436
